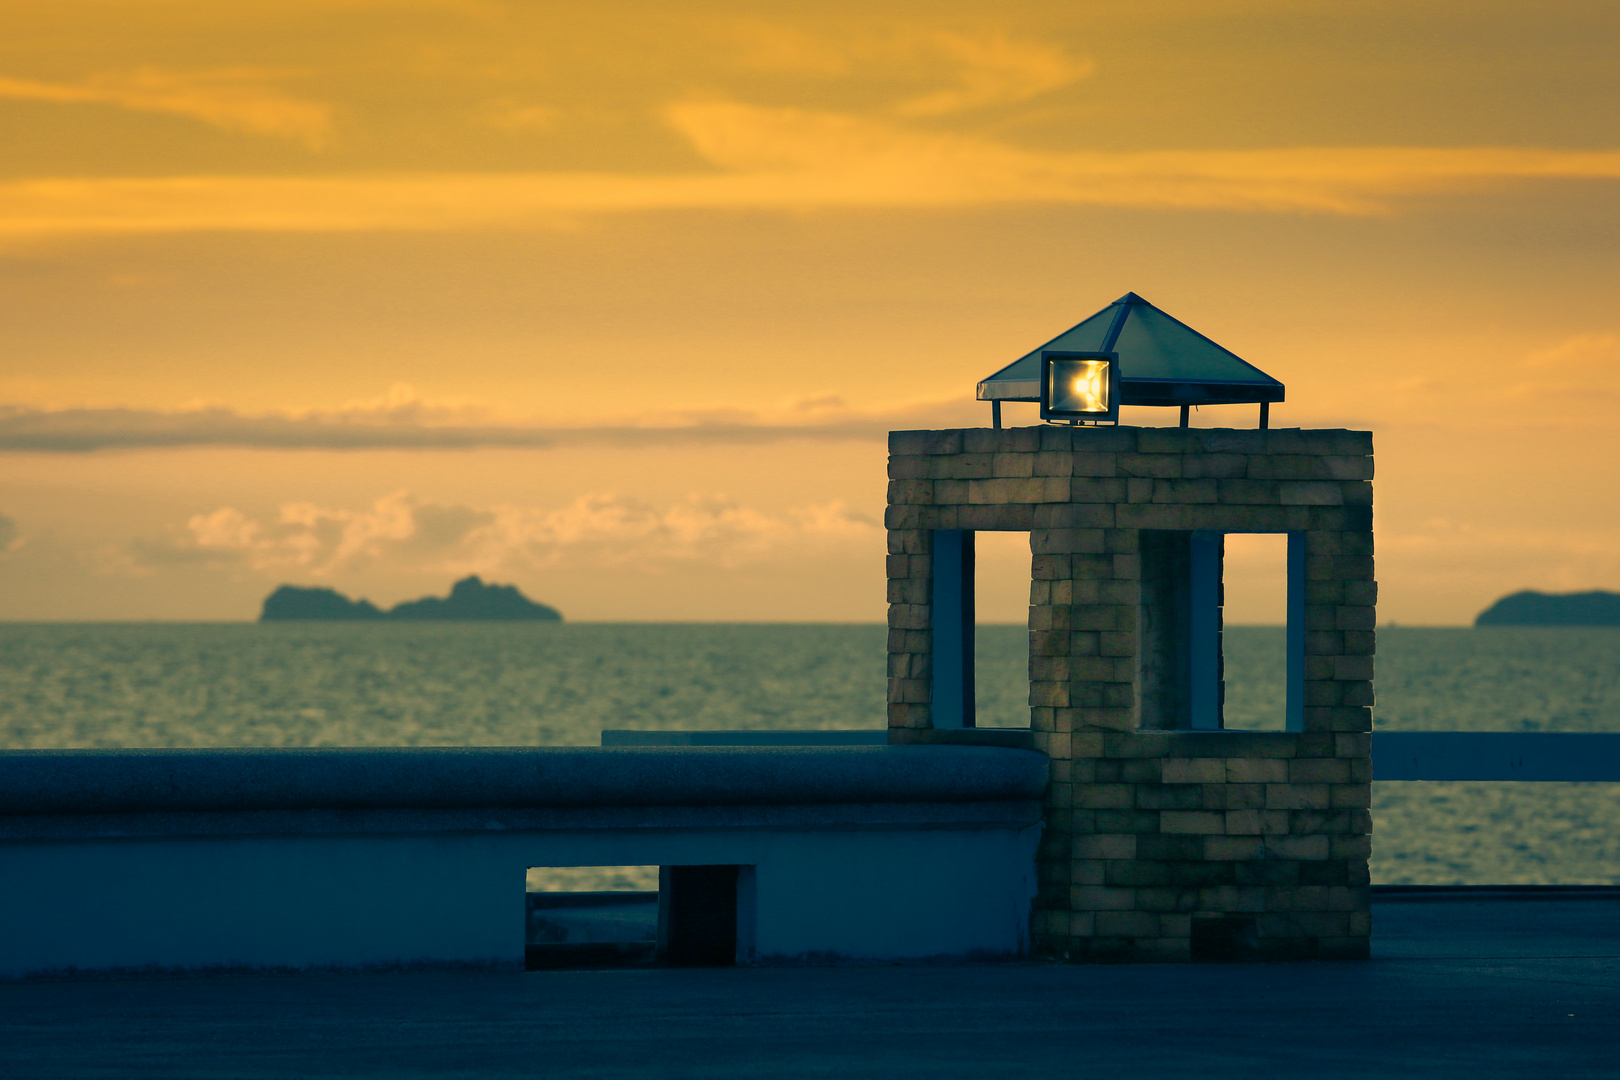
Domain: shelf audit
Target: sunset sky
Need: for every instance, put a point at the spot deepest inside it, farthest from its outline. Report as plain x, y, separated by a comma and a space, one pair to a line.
616, 302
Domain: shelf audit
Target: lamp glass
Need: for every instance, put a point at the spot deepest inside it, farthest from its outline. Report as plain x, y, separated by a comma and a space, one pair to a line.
1078, 387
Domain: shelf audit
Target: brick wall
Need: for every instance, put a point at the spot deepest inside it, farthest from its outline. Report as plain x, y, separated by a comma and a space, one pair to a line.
1163, 845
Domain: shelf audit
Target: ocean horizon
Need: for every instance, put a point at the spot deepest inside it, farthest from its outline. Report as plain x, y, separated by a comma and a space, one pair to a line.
217, 684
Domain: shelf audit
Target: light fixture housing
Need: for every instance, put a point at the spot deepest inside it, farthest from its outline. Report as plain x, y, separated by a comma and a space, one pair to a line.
1080, 386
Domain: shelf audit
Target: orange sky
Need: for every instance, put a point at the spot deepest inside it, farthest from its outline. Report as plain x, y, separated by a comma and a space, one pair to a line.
615, 303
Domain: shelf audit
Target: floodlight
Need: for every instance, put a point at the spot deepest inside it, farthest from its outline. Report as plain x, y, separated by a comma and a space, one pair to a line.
1078, 386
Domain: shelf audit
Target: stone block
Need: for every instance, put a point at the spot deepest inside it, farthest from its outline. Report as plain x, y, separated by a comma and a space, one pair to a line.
1352, 746
1170, 797
1361, 592
908, 616
1310, 493
1318, 771
1168, 441
1232, 796
1165, 466
903, 517
1054, 463
1183, 848
1309, 744
1136, 873
1288, 467
1154, 516
1354, 796
1327, 642
1101, 898
1197, 874
1322, 693
1072, 516
1353, 568
908, 542
1167, 899
1127, 924
1180, 822
1353, 668
1089, 871
1194, 771
1116, 644
1250, 492
1299, 848
1256, 822
1350, 847
1221, 899
1186, 491
908, 592
1086, 489
1214, 466
1356, 693
1103, 465
1139, 490
1140, 770
1348, 467
1328, 593
914, 442
1126, 821
1356, 493
1255, 771
1110, 440
1268, 872
1014, 465
909, 467
908, 691
1106, 796
962, 467
905, 715
1298, 796
1138, 745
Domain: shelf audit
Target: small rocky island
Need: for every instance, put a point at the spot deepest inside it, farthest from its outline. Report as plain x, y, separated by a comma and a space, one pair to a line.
1596, 608
470, 600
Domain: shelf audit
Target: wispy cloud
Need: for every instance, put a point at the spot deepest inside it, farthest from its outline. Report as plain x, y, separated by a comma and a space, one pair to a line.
793, 160
995, 70
603, 529
235, 99
402, 421
10, 535
978, 68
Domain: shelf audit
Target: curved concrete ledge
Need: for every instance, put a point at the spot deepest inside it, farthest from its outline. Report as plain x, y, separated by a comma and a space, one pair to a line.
34, 782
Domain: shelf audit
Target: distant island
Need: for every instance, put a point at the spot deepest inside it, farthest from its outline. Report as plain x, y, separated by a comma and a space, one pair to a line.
1596, 608
470, 600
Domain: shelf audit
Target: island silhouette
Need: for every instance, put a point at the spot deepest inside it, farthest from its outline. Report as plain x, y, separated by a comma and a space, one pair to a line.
1529, 608
470, 600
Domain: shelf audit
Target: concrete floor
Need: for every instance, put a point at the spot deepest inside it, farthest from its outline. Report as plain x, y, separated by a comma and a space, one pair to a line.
1474, 987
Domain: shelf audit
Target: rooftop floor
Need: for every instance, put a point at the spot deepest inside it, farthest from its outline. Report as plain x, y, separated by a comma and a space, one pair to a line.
1487, 985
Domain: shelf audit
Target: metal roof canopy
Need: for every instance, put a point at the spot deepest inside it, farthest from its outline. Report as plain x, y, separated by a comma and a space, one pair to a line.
1162, 361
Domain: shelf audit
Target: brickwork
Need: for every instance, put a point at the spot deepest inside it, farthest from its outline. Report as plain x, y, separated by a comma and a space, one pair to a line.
1163, 845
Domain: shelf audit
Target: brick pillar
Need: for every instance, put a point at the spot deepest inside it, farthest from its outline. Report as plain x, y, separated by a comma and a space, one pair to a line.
1163, 844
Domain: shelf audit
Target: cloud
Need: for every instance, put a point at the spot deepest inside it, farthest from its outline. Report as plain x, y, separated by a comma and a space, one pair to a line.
10, 535
235, 99
604, 529
792, 160
995, 70
987, 68
400, 421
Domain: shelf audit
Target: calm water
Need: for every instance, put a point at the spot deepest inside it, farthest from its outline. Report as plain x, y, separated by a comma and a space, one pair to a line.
488, 685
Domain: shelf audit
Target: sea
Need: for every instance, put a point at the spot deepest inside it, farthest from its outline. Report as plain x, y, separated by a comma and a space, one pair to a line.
542, 684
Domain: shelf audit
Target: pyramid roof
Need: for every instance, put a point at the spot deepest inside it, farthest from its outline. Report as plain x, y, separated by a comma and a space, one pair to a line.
1162, 361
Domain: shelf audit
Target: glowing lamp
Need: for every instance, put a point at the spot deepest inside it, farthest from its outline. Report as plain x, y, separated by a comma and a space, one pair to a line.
1080, 386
